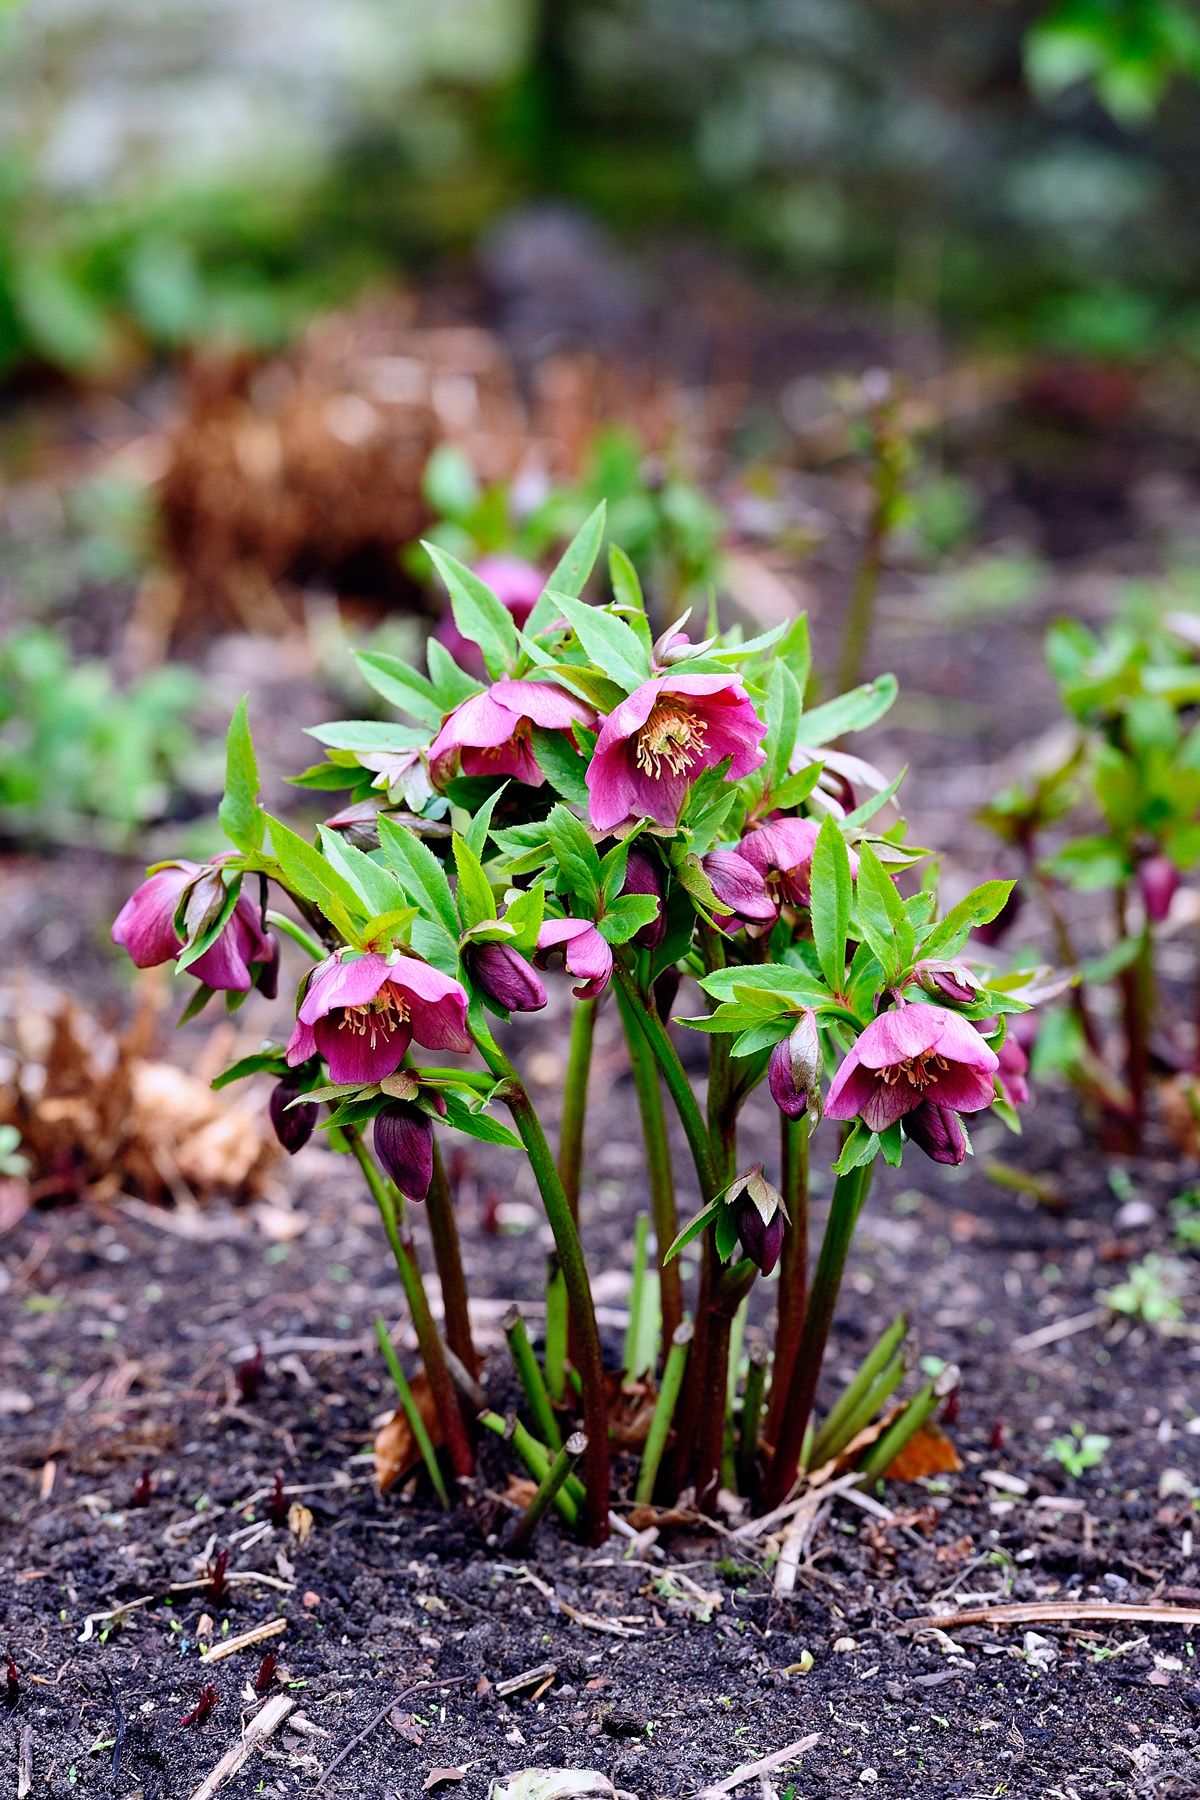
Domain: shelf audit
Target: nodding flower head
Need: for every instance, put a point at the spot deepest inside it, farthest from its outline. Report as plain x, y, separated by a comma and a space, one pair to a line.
794, 1071
492, 733
740, 888
654, 745
1158, 883
644, 875
951, 982
938, 1131
761, 1219
403, 1136
245, 955
503, 976
782, 852
584, 953
918, 1052
361, 1012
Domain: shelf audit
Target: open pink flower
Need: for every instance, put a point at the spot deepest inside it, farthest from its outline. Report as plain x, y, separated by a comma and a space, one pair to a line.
243, 955
782, 852
918, 1052
492, 733
361, 1013
654, 745
517, 584
585, 953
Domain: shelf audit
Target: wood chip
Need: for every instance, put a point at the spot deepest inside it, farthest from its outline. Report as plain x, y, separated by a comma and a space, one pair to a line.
1059, 1612
231, 1646
262, 1726
25, 1762
530, 1678
763, 1766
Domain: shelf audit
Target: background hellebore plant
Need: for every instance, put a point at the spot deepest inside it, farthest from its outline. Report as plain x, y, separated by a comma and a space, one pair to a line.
654, 814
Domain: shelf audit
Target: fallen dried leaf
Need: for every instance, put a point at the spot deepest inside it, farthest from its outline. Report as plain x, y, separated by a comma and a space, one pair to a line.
437, 1777
396, 1451
928, 1452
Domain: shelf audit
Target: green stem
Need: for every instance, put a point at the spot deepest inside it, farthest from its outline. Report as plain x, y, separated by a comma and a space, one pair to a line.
432, 1354
537, 1460
658, 1163
557, 1330
793, 1271
574, 1109
575, 1275
530, 1376
826, 1443
412, 1413
675, 1077
824, 1448
447, 1256
729, 1290
298, 935
848, 1197
637, 1297
549, 1488
752, 1401
918, 1412
664, 1413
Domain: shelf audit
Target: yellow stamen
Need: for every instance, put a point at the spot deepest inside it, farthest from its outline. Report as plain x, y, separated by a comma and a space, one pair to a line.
920, 1072
379, 1018
672, 737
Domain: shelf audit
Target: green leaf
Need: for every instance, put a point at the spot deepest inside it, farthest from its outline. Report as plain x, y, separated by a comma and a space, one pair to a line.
862, 1146
793, 986
607, 642
784, 705
476, 902
378, 890
875, 802
242, 818
881, 915
562, 764
979, 907
576, 855
626, 916
477, 831
308, 874
692, 1230
854, 711
479, 615
478, 1124
451, 684
571, 571
400, 686
624, 577
371, 735
830, 904
273, 1059
420, 872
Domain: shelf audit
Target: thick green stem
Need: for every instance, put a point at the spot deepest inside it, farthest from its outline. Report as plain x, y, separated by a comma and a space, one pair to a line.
447, 1256
530, 1376
848, 1196
412, 1413
552, 1484
575, 1275
664, 1412
557, 1329
537, 1459
917, 1413
793, 1268
298, 935
574, 1109
833, 1433
658, 1163
677, 1084
433, 1355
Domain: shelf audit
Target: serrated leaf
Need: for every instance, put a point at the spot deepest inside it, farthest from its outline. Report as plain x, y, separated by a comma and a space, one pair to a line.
626, 585
793, 986
571, 571
607, 642
562, 765
829, 906
476, 902
979, 907
242, 818
378, 890
626, 916
477, 831
371, 735
862, 1146
308, 874
479, 614
401, 686
576, 855
273, 1059
420, 873
451, 685
881, 915
853, 711
692, 1230
783, 710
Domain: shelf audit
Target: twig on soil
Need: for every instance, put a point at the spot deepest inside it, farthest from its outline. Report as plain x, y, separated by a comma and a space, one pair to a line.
120, 1728
25, 1762
231, 1646
1061, 1328
373, 1724
763, 1766
530, 1678
588, 1620
1059, 1612
261, 1727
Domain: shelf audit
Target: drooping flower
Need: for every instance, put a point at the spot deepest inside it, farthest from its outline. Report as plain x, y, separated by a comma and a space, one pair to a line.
361, 1013
245, 954
1158, 883
517, 584
492, 733
1014, 1067
761, 1219
654, 744
952, 982
644, 875
503, 976
403, 1137
739, 886
584, 951
794, 1071
292, 1125
938, 1130
782, 852
918, 1052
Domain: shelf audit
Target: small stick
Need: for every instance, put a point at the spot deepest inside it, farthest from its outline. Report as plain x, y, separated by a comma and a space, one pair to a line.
231, 1646
262, 1726
764, 1766
530, 1678
664, 1412
25, 1762
637, 1296
1059, 1612
555, 1476
752, 1404
373, 1724
412, 1413
531, 1379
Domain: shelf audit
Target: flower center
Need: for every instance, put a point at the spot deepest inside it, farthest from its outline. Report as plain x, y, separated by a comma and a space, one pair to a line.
920, 1072
521, 739
671, 739
379, 1019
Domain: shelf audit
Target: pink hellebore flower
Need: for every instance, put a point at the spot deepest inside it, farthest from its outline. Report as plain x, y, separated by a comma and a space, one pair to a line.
145, 927
491, 733
1014, 1066
654, 744
739, 886
918, 1052
362, 1013
782, 852
585, 953
938, 1130
517, 584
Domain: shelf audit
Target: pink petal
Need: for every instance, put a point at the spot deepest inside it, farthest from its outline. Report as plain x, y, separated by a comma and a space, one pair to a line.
959, 1042
781, 844
544, 702
889, 1102
363, 1056
610, 786
851, 1087
963, 1089
906, 1032
301, 1045
335, 983
480, 723
437, 1002
145, 925
514, 760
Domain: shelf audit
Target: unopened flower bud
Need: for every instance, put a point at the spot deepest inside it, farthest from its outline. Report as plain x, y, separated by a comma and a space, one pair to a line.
267, 978
938, 1130
643, 875
793, 1075
292, 1125
1158, 880
740, 888
761, 1219
666, 990
504, 977
404, 1145
950, 981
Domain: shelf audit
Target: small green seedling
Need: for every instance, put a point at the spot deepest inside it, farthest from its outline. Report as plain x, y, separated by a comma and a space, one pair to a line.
1080, 1451
1151, 1292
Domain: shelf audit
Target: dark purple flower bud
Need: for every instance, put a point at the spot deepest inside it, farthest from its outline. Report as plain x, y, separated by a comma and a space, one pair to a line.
938, 1130
292, 1125
267, 978
760, 1216
952, 982
643, 875
1005, 919
1158, 880
503, 976
794, 1073
740, 887
666, 990
404, 1145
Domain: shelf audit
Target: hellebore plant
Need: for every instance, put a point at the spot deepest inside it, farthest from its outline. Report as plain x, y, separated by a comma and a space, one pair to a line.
651, 813
1118, 814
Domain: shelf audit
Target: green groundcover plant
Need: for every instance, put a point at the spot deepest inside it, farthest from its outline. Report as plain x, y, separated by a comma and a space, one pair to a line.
650, 812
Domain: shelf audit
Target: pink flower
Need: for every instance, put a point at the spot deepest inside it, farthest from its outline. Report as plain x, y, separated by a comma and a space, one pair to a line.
782, 852
1014, 1066
918, 1052
585, 953
491, 733
361, 1013
1158, 882
517, 584
654, 744
244, 955
739, 886
938, 1130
